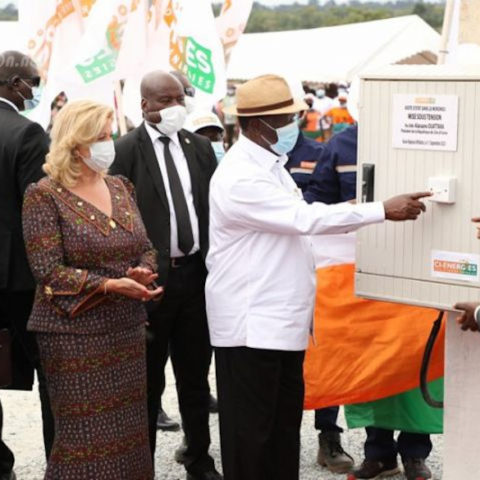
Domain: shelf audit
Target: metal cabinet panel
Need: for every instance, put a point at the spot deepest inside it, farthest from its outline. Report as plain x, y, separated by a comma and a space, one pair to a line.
394, 259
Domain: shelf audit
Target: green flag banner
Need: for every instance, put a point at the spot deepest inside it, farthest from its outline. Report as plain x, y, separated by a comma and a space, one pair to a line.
407, 412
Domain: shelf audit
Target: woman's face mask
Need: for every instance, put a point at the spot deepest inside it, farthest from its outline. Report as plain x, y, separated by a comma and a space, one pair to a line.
102, 155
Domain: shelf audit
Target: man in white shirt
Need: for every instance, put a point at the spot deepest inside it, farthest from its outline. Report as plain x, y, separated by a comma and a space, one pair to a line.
261, 284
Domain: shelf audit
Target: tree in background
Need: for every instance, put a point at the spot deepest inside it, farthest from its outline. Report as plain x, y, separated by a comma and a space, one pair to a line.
313, 15
431, 13
9, 13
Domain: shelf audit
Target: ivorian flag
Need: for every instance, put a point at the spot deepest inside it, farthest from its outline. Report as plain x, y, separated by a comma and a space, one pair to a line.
406, 411
367, 354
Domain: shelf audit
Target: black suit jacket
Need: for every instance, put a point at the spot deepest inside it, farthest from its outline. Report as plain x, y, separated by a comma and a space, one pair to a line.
135, 159
23, 146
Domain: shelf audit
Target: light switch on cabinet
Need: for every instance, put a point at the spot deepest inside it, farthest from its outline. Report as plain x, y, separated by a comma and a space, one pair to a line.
443, 189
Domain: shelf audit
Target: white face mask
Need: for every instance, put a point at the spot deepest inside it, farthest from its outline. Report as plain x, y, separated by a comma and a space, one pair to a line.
189, 104
172, 119
102, 155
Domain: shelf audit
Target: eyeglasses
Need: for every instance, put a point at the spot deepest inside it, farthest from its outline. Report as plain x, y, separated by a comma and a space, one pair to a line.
35, 80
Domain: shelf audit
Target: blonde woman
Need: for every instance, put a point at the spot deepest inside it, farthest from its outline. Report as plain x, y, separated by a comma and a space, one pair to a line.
93, 264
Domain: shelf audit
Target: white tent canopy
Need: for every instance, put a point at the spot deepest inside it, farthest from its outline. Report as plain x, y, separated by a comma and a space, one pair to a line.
333, 54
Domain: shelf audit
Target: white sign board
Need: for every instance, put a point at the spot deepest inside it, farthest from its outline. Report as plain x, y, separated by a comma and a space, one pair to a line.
455, 266
425, 122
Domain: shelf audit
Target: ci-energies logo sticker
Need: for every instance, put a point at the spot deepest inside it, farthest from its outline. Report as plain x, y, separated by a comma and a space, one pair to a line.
455, 266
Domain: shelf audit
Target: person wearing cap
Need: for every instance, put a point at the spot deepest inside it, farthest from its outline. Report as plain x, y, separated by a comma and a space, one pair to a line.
206, 123
339, 116
310, 120
324, 104
260, 287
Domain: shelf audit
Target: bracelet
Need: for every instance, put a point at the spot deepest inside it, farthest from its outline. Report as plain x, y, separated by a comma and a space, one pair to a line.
105, 287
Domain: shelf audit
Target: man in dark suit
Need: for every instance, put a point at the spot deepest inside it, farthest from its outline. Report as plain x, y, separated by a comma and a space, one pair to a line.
171, 170
23, 146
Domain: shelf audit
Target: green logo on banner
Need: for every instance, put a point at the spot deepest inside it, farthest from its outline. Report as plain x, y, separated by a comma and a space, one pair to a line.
198, 66
103, 63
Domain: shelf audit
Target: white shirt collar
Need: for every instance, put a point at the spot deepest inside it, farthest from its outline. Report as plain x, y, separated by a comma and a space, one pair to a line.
8, 102
155, 134
261, 155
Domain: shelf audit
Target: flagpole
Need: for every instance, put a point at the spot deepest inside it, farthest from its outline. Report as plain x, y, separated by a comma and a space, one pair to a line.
446, 28
78, 7
122, 123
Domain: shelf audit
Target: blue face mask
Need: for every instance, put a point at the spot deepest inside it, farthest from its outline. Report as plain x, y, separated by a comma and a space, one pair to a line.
219, 150
286, 137
31, 103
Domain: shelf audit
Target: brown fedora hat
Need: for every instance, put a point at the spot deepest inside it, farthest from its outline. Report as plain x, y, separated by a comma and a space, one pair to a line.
265, 95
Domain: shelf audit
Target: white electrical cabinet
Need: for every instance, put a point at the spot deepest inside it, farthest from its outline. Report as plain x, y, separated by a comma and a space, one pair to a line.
419, 130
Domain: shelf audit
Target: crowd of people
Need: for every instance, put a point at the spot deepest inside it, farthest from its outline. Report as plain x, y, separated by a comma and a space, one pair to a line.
189, 233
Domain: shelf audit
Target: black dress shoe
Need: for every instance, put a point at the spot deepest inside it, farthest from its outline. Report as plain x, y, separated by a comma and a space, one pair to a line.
415, 469
165, 423
213, 405
181, 451
210, 475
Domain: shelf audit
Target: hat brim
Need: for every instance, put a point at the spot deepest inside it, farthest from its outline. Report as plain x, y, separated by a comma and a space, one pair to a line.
297, 106
209, 124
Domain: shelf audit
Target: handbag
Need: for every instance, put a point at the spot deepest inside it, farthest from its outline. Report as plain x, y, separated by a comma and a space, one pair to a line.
5, 358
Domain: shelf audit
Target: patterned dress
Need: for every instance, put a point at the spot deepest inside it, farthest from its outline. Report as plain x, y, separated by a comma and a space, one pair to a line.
92, 345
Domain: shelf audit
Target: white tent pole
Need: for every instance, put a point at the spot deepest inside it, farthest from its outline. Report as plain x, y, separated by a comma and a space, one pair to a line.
446, 28
122, 124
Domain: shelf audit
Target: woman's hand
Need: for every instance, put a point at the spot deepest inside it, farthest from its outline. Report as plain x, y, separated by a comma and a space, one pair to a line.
141, 275
131, 288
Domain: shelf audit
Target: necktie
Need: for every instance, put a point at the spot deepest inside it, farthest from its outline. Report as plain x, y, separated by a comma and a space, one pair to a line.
184, 226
